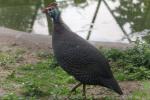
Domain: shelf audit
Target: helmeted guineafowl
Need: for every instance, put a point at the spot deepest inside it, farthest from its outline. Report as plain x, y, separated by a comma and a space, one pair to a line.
79, 58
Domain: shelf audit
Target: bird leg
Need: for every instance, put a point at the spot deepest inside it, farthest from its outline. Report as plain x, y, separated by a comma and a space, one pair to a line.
74, 89
84, 92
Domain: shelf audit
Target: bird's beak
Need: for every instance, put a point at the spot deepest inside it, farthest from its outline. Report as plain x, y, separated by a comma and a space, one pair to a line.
45, 10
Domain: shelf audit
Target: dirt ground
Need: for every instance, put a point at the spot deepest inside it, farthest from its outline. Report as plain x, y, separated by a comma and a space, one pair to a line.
96, 91
29, 57
99, 92
43, 42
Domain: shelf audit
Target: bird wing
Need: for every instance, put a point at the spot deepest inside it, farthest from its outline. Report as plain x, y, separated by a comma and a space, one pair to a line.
80, 56
91, 62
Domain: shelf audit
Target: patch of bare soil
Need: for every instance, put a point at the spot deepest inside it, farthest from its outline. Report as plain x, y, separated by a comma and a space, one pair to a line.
2, 92
99, 92
27, 56
22, 39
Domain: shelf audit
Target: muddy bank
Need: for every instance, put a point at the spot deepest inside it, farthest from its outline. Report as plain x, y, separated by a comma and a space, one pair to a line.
42, 42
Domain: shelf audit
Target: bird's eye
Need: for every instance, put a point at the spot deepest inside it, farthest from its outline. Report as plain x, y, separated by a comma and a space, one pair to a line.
50, 9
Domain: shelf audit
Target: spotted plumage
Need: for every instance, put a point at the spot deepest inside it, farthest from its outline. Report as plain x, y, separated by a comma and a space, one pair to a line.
78, 57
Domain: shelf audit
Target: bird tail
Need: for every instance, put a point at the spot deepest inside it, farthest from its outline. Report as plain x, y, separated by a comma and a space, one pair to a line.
112, 84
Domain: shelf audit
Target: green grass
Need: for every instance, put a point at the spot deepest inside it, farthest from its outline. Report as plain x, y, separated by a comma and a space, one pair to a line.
46, 80
9, 57
142, 94
6, 59
130, 64
42, 81
39, 80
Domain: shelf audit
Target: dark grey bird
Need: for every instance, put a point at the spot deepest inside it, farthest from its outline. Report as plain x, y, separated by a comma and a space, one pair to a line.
78, 57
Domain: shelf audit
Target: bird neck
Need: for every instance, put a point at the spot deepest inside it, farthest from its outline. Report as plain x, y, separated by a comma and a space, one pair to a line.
57, 18
60, 27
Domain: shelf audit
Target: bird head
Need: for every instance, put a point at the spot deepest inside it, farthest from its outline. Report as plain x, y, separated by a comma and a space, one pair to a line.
52, 10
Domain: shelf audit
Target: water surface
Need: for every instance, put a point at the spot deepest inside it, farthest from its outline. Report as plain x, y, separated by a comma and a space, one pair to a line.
116, 20
106, 28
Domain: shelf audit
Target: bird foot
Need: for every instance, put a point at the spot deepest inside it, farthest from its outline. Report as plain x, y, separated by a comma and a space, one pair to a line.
73, 90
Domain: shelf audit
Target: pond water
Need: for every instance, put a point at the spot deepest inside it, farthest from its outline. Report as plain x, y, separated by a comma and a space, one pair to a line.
115, 20
79, 20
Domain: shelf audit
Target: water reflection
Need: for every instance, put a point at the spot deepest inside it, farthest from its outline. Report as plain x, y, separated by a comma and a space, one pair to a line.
78, 17
18, 14
115, 21
134, 15
123, 18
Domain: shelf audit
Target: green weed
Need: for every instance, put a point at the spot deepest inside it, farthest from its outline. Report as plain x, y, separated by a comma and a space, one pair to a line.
6, 59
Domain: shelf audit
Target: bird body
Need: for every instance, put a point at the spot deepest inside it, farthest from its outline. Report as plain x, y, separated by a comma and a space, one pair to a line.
79, 58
